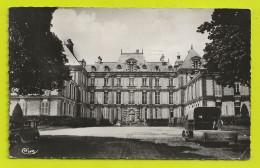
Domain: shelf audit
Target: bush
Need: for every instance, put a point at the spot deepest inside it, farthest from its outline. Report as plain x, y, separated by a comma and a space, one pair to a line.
236, 120
17, 113
62, 121
157, 122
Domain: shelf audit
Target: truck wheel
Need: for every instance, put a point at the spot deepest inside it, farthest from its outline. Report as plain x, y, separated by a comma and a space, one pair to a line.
185, 136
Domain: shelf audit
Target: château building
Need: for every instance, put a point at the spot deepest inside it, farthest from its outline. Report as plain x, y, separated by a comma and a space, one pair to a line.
132, 89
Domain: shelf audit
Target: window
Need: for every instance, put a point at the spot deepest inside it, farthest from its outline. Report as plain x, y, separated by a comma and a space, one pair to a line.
170, 81
218, 104
144, 98
118, 98
195, 63
171, 113
236, 89
157, 97
107, 68
64, 108
119, 67
94, 113
131, 98
170, 97
105, 81
144, 67
93, 68
105, 97
145, 113
156, 81
157, 68
156, 113
74, 93
69, 109
92, 97
170, 68
45, 108
92, 82
218, 90
131, 81
131, 67
118, 81
144, 81
70, 91
105, 113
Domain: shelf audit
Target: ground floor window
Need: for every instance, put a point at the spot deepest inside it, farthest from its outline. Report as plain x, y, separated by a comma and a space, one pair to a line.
45, 108
171, 113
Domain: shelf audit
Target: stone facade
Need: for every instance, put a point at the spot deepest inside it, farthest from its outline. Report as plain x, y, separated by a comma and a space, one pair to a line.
132, 89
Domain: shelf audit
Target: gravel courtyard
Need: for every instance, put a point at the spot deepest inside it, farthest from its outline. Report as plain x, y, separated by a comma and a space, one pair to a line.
126, 143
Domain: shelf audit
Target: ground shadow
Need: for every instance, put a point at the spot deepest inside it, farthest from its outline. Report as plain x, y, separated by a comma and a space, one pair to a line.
103, 148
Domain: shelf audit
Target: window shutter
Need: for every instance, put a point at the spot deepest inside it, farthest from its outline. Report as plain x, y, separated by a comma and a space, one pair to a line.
115, 97
148, 97
115, 81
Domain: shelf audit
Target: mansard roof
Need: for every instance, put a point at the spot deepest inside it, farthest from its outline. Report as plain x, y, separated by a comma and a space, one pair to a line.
137, 58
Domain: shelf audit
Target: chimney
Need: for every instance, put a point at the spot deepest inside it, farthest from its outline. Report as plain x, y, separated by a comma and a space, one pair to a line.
137, 51
99, 60
83, 63
178, 56
70, 45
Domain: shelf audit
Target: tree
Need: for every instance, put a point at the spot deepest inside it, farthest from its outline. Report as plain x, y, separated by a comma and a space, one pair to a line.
36, 58
228, 53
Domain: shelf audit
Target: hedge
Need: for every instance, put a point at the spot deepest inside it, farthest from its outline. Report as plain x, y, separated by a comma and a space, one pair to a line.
104, 122
157, 122
236, 120
60, 121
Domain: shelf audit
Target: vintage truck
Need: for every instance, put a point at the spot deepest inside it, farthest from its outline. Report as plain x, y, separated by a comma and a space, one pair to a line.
201, 126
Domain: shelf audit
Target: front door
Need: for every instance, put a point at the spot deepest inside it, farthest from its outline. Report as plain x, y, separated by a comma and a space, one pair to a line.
131, 115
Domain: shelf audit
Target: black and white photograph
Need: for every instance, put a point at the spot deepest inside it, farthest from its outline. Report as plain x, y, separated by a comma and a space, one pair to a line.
129, 83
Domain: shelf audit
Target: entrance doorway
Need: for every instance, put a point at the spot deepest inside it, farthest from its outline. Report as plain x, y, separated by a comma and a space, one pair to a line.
244, 110
131, 116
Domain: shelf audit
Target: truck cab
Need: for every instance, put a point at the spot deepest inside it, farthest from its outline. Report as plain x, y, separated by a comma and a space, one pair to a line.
23, 131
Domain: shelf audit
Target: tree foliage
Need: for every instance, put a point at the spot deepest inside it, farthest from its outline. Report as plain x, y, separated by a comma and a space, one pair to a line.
228, 53
36, 58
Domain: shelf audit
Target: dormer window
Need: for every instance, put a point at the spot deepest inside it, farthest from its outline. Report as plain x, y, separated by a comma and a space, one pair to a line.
131, 63
144, 67
93, 69
196, 62
107, 68
170, 68
157, 68
119, 67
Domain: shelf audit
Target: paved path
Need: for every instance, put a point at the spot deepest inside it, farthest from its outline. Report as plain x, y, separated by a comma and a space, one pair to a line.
119, 132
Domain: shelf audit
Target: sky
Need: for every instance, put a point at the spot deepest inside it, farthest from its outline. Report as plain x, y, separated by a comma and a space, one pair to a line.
105, 31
